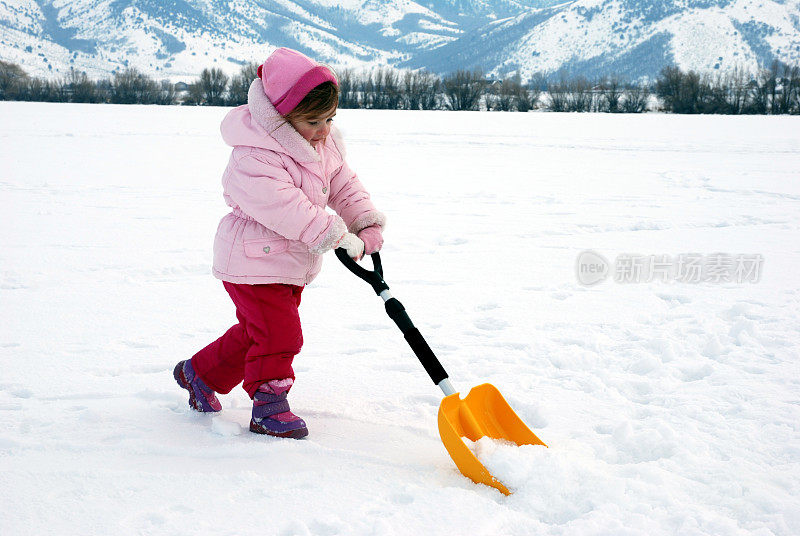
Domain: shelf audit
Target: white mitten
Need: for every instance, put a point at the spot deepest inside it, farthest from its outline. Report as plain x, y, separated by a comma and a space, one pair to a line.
353, 244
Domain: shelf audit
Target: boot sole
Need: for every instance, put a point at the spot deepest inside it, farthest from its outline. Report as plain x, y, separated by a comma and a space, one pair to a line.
300, 433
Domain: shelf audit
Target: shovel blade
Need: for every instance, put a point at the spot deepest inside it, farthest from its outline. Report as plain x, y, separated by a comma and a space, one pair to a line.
484, 412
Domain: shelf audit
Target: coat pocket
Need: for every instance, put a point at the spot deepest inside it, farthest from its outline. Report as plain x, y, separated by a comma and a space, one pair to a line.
263, 247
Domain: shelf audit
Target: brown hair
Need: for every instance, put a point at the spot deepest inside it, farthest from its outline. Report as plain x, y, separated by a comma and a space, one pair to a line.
319, 101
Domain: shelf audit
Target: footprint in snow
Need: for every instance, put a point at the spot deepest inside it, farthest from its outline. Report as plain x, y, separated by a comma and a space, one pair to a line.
137, 344
490, 324
368, 327
511, 345
675, 299
399, 367
448, 241
359, 351
402, 498
714, 348
224, 428
697, 373
426, 399
21, 392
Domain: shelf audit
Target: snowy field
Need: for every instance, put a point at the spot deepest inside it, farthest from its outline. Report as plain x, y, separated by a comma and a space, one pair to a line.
670, 407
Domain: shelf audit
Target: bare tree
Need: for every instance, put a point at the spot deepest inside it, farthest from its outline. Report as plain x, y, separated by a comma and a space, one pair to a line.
669, 87
76, 87
511, 94
505, 96
788, 94
348, 96
463, 89
794, 85
683, 93
131, 86
167, 94
736, 90
558, 95
772, 84
775, 90
240, 84
384, 89
762, 90
716, 101
491, 95
530, 93
581, 95
611, 90
635, 99
365, 89
410, 90
39, 90
103, 88
12, 80
416, 88
209, 90
429, 91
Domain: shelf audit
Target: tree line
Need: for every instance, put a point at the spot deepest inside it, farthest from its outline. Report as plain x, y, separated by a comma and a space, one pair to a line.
773, 90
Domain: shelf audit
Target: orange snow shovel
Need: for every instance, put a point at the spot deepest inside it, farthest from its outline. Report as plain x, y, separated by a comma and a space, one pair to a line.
484, 412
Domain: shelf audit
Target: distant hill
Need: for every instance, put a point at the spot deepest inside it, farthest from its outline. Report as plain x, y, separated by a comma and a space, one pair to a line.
177, 38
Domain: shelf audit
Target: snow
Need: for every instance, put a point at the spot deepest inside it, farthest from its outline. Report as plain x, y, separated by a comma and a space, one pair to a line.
668, 407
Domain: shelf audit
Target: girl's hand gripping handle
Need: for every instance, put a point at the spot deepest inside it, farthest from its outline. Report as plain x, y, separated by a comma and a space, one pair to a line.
352, 244
374, 277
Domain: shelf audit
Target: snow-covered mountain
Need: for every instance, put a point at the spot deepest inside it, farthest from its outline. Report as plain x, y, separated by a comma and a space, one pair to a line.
178, 38
629, 37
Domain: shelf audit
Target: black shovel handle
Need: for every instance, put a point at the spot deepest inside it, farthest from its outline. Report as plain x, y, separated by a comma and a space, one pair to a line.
374, 277
396, 312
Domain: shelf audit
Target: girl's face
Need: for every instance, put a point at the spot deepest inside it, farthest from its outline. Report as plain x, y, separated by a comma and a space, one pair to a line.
314, 129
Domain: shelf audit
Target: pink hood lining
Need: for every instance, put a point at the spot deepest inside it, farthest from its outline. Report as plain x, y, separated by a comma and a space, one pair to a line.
268, 118
258, 124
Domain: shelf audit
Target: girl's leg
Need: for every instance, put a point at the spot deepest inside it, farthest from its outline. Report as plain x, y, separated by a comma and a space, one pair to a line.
221, 364
269, 314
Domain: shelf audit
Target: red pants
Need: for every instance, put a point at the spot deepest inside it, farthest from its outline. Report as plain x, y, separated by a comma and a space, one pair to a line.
261, 346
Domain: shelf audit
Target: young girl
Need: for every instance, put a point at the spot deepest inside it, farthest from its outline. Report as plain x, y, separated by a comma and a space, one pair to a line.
287, 164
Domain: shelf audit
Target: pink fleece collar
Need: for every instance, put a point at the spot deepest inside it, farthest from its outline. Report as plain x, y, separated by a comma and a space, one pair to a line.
268, 118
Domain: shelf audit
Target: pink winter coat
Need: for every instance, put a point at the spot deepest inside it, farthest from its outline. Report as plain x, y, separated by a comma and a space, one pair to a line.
278, 186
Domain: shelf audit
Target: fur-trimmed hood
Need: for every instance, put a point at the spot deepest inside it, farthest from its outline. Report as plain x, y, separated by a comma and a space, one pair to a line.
258, 124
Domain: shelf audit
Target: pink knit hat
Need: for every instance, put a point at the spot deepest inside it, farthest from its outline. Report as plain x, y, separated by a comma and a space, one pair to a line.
288, 76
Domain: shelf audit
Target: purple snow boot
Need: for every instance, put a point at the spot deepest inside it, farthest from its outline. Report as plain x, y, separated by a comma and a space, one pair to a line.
271, 414
201, 396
